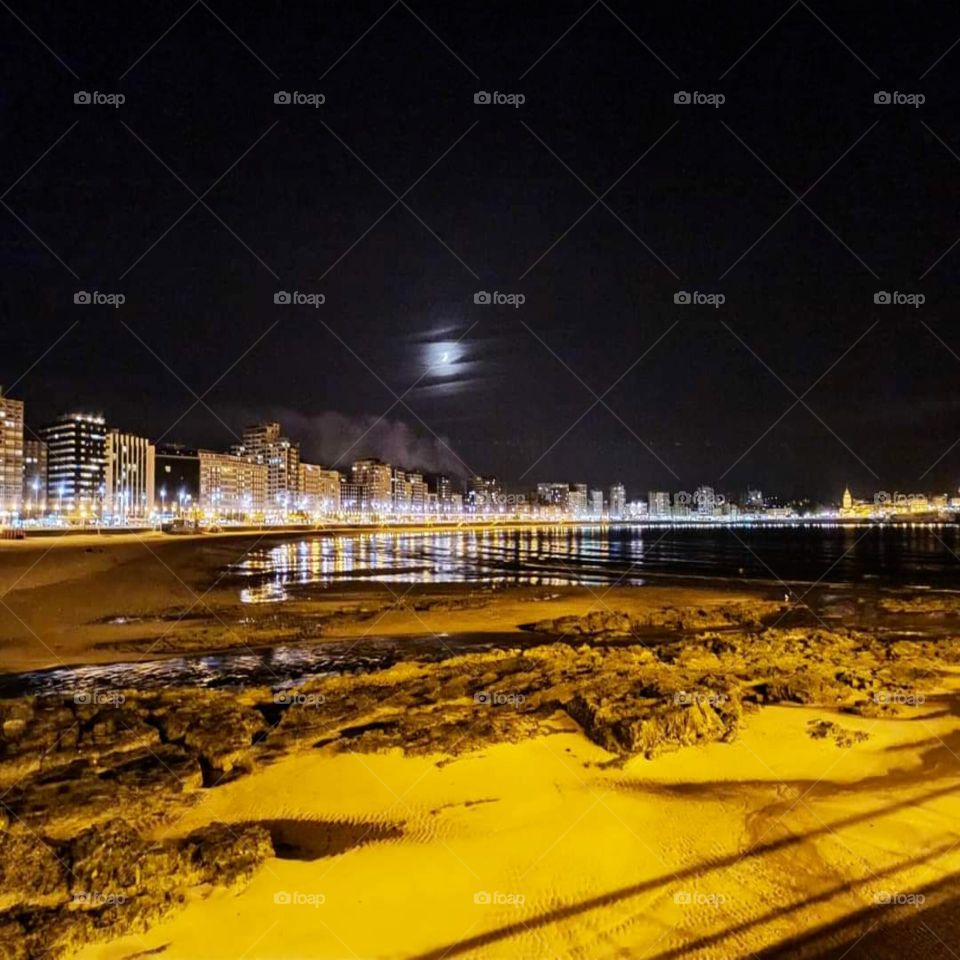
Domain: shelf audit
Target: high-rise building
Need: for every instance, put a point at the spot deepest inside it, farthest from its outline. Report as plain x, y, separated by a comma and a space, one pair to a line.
553, 495
618, 501
400, 491
319, 489
596, 503
34, 477
658, 503
264, 443
418, 492
231, 486
483, 493
444, 492
375, 484
129, 476
578, 499
76, 462
176, 479
11, 455
705, 501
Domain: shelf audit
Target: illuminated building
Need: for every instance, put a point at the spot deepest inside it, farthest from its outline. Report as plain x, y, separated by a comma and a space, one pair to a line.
705, 499
578, 499
319, 489
400, 491
231, 487
34, 477
263, 443
618, 501
658, 503
128, 476
444, 491
553, 495
482, 492
76, 461
596, 503
11, 454
753, 502
418, 492
375, 482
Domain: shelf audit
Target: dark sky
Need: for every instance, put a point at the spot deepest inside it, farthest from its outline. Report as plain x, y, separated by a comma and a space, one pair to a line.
598, 375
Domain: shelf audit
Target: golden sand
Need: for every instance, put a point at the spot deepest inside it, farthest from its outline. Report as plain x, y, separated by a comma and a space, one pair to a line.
546, 849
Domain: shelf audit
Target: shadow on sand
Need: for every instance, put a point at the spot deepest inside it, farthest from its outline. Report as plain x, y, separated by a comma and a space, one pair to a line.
929, 928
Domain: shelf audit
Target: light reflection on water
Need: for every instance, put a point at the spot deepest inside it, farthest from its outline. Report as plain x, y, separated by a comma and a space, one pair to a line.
539, 557
912, 555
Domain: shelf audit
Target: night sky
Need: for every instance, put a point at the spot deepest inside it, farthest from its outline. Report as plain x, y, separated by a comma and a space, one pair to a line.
597, 199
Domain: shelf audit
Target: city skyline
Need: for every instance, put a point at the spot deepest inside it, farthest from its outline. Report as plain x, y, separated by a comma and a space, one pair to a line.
88, 468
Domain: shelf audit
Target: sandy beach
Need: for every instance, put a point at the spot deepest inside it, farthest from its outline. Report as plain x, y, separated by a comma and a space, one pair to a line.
542, 849
658, 772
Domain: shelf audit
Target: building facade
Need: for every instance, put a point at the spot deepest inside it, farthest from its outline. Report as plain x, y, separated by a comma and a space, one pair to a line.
658, 503
618, 501
129, 477
375, 481
483, 493
264, 443
319, 489
231, 487
34, 478
76, 462
11, 455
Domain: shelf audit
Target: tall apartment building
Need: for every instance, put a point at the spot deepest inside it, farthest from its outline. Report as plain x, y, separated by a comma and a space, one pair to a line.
375, 482
264, 443
231, 486
658, 503
11, 454
444, 492
578, 498
482, 492
553, 495
34, 477
76, 462
409, 492
129, 476
319, 489
618, 502
596, 503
